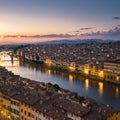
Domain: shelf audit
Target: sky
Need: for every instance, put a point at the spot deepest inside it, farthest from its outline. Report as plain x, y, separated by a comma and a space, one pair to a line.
41, 20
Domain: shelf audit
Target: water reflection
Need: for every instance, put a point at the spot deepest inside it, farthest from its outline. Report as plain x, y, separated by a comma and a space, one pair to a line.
49, 72
71, 78
100, 88
117, 91
86, 84
103, 92
7, 61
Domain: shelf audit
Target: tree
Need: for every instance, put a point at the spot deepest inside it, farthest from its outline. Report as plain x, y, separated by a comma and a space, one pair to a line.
56, 86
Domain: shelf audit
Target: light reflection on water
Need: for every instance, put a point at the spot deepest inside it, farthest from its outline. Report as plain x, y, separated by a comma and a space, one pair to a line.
117, 92
100, 88
87, 84
8, 61
103, 92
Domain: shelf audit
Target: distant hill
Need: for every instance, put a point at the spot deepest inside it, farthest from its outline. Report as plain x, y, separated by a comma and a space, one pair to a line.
65, 41
78, 41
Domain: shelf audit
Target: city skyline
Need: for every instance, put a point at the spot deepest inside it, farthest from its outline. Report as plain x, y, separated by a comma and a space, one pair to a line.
33, 21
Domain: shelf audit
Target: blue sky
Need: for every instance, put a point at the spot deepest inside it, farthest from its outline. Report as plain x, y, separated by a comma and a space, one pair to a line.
65, 18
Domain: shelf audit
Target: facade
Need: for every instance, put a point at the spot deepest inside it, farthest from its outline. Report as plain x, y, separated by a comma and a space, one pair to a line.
112, 71
15, 109
94, 71
115, 116
5, 106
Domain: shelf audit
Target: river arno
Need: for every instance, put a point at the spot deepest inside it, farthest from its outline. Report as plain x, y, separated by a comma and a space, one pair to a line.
106, 93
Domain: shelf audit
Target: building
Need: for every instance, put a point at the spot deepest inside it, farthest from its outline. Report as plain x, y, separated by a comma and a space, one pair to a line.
112, 71
24, 99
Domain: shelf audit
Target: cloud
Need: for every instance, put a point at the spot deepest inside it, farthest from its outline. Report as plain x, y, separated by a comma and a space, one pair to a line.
10, 36
115, 32
118, 25
116, 18
77, 31
111, 33
87, 28
41, 36
57, 35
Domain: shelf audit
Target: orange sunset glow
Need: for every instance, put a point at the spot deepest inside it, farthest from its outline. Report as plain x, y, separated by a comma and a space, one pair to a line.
36, 21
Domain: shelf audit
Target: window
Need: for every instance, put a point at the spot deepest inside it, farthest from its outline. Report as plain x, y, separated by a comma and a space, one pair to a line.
18, 119
17, 112
43, 115
22, 117
11, 102
17, 104
9, 108
14, 103
32, 116
25, 112
29, 114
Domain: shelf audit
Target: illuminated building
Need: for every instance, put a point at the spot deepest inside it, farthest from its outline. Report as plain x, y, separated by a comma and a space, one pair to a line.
5, 106
86, 69
101, 73
48, 62
24, 99
72, 67
1, 63
15, 109
112, 71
